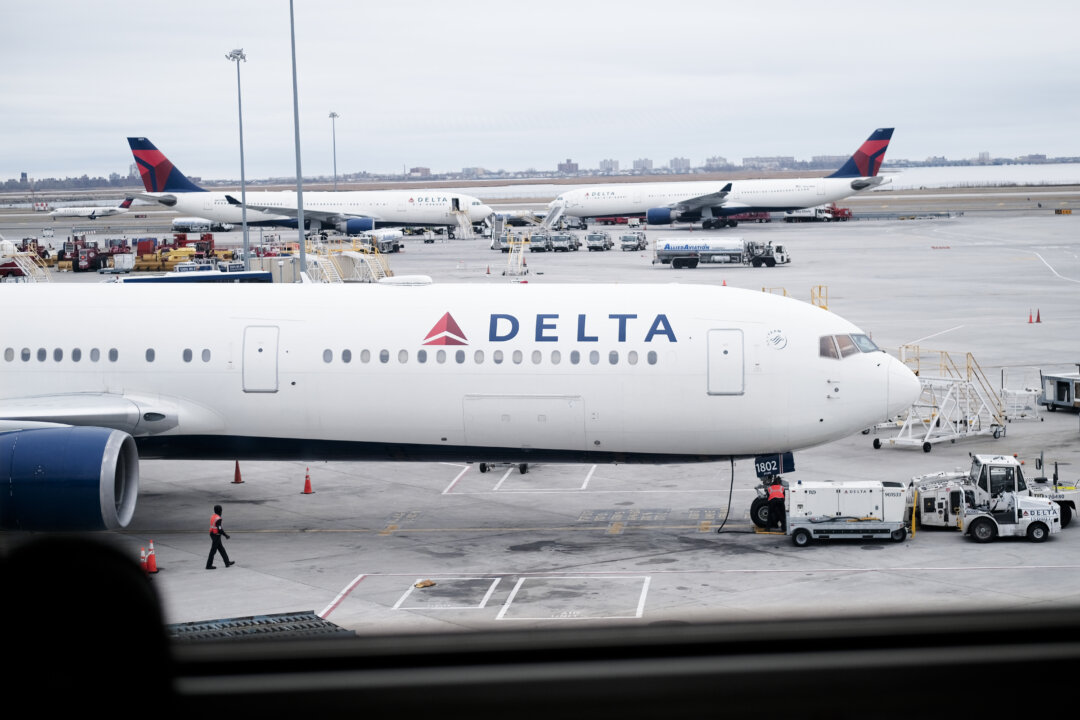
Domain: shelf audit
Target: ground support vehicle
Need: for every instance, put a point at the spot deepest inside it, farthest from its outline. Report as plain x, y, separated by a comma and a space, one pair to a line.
1060, 391
858, 510
633, 241
821, 213
684, 253
995, 488
539, 243
501, 242
564, 242
598, 241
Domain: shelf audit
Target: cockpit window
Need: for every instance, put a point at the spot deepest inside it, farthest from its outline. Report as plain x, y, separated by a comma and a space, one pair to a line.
847, 345
865, 343
841, 346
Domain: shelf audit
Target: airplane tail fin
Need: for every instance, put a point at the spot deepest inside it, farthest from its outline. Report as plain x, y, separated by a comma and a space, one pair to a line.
127, 203
158, 174
868, 158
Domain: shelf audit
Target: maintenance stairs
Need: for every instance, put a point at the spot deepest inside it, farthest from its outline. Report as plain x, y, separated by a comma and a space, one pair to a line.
32, 266
957, 401
352, 261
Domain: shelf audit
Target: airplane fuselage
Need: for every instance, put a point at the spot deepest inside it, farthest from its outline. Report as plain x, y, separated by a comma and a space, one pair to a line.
86, 212
387, 208
511, 372
773, 195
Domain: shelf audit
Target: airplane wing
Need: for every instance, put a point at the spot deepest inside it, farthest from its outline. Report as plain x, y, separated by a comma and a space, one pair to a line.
309, 214
166, 199
713, 199
98, 410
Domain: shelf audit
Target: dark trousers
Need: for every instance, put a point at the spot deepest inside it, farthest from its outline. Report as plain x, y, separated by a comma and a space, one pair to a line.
216, 547
777, 515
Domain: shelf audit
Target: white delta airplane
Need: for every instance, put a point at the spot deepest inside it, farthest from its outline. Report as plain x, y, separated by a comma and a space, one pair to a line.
457, 372
713, 202
349, 212
92, 212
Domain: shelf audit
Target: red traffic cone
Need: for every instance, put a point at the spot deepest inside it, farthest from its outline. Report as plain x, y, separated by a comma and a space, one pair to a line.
725, 283
489, 270
1038, 316
307, 482
151, 560
1029, 318
142, 559
236, 474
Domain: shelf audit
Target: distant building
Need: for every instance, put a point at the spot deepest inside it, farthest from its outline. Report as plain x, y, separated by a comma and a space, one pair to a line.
679, 165
609, 166
643, 165
768, 163
23, 180
828, 160
420, 172
716, 163
984, 158
568, 166
1031, 159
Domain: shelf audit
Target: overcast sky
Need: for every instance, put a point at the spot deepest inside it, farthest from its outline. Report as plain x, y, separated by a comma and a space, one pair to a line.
508, 85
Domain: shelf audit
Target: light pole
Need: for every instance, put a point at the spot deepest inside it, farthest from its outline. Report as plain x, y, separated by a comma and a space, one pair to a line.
236, 56
333, 132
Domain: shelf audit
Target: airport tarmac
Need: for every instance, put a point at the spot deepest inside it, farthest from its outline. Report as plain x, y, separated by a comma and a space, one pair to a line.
566, 544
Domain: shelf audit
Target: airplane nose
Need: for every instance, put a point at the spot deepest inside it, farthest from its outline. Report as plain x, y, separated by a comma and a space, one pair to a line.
904, 388
483, 213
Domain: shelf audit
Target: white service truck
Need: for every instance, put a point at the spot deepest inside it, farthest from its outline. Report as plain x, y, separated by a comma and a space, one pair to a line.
858, 510
684, 252
992, 499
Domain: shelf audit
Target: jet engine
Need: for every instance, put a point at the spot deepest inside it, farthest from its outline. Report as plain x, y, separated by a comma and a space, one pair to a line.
68, 478
659, 216
352, 226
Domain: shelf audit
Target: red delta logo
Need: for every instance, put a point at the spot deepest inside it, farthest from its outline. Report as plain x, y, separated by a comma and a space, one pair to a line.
446, 332
410, 199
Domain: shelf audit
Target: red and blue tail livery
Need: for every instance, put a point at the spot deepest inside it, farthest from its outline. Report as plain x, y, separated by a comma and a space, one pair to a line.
868, 158
158, 174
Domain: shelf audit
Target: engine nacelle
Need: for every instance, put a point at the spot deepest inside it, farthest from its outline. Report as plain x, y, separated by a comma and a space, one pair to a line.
659, 216
353, 226
68, 478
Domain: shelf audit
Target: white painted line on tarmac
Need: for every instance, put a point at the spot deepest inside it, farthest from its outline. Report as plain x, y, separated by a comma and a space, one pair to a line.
502, 480
450, 487
588, 477
1056, 273
325, 612
916, 342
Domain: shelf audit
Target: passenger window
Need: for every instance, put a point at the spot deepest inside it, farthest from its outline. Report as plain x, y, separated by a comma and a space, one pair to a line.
828, 348
594, 357
327, 356
403, 356
206, 355
384, 356
631, 357
478, 357
651, 357
556, 357
537, 356
575, 357
25, 354
421, 356
517, 357
847, 345
149, 354
42, 354
114, 354
95, 354
76, 355
440, 357
365, 356
346, 356
9, 354
613, 357
498, 357
187, 355
459, 357
57, 354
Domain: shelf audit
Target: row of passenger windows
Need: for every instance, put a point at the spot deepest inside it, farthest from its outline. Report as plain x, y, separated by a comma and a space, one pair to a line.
94, 355
497, 357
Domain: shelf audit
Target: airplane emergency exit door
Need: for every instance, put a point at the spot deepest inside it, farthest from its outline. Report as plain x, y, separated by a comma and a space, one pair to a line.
260, 359
726, 376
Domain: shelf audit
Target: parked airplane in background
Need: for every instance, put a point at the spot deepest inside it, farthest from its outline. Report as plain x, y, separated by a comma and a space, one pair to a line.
91, 212
347, 211
506, 373
712, 201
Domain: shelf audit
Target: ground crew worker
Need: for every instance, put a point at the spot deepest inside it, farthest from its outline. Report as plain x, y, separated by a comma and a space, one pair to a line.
777, 514
216, 531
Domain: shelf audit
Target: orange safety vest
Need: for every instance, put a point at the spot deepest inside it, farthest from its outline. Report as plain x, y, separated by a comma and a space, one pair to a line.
776, 492
214, 519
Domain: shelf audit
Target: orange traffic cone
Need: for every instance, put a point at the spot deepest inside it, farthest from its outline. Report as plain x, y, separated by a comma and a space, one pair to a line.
142, 559
1038, 316
725, 283
307, 482
236, 474
489, 270
1029, 318
151, 560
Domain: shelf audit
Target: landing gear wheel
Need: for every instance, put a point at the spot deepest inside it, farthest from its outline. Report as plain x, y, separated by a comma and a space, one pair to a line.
898, 535
801, 537
1037, 532
759, 512
483, 467
983, 531
927, 447
877, 443
523, 468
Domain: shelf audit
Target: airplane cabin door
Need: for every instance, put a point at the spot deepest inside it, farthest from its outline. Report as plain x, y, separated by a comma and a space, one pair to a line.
726, 375
261, 359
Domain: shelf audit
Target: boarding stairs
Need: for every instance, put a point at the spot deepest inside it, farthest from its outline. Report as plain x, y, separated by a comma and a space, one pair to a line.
321, 268
554, 216
515, 261
464, 229
955, 403
32, 266
364, 266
